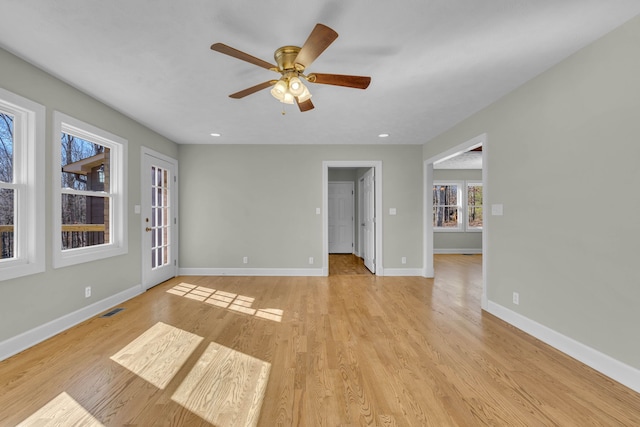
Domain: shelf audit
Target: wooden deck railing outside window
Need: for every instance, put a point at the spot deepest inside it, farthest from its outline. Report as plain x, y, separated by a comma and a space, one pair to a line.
73, 236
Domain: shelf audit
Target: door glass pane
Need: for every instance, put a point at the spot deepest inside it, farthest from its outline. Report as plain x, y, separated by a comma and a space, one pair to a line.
160, 215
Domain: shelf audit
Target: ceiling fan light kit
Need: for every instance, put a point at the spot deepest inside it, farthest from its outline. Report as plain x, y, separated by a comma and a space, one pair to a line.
291, 62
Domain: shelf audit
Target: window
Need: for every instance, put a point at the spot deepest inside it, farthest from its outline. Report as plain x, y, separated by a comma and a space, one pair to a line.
447, 206
474, 206
21, 186
457, 206
89, 211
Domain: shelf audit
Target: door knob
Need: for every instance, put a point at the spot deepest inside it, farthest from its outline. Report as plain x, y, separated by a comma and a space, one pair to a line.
147, 229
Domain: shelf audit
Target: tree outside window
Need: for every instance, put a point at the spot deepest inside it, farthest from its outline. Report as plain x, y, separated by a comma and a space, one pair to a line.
7, 193
474, 205
447, 205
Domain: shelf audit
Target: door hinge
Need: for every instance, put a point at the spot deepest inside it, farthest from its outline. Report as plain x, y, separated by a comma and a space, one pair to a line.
175, 263
175, 178
175, 221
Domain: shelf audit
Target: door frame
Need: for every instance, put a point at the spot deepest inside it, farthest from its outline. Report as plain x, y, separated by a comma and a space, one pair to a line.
145, 151
377, 166
360, 219
428, 270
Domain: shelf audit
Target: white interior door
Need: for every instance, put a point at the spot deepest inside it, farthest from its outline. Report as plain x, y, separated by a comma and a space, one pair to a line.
159, 218
369, 214
340, 206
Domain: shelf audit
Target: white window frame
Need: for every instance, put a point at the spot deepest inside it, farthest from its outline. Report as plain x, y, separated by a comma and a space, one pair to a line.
461, 207
468, 184
118, 244
28, 183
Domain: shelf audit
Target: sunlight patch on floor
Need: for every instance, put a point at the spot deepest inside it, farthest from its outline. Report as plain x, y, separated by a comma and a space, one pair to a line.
228, 300
158, 354
63, 410
225, 387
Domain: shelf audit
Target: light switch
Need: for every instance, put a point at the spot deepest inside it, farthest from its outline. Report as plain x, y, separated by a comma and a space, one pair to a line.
496, 209
392, 211
317, 211
136, 209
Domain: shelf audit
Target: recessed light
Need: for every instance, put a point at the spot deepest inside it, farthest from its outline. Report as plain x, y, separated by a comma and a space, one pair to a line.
383, 135
215, 134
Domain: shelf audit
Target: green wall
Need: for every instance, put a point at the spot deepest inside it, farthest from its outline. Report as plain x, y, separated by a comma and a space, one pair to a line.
32, 301
563, 157
260, 201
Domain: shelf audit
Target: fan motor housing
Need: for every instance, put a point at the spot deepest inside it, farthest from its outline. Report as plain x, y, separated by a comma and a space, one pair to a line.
285, 57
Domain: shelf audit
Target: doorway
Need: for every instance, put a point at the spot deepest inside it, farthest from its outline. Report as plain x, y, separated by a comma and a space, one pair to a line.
367, 232
479, 141
159, 212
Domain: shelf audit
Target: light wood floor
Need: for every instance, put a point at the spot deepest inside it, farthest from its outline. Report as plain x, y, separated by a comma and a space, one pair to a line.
347, 350
347, 264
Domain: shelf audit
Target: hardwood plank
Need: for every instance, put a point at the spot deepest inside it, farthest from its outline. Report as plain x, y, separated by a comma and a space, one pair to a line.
343, 350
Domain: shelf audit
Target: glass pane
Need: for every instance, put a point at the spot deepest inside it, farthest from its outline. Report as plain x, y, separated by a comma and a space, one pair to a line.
153, 258
445, 195
474, 195
153, 175
6, 147
83, 221
7, 232
475, 216
445, 216
85, 165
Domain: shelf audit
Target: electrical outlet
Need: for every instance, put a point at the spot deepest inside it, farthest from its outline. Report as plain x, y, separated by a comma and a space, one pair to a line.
516, 298
310, 260
404, 259
87, 292
245, 260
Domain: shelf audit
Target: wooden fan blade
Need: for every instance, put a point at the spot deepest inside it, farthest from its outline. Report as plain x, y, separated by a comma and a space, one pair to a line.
227, 50
305, 105
358, 82
319, 39
252, 89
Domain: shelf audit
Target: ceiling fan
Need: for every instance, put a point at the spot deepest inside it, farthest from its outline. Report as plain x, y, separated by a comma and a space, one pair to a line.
291, 62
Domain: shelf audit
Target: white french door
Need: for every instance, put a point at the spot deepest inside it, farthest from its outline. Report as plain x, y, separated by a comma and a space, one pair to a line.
159, 218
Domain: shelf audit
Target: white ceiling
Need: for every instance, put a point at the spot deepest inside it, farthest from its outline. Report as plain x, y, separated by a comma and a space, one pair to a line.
432, 62
467, 160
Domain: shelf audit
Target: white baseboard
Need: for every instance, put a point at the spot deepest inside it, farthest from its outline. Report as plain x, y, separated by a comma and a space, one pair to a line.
458, 251
15, 345
403, 272
607, 365
250, 272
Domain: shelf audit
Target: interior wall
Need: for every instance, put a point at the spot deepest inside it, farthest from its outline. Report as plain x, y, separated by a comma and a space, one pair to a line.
32, 301
458, 241
260, 202
562, 152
